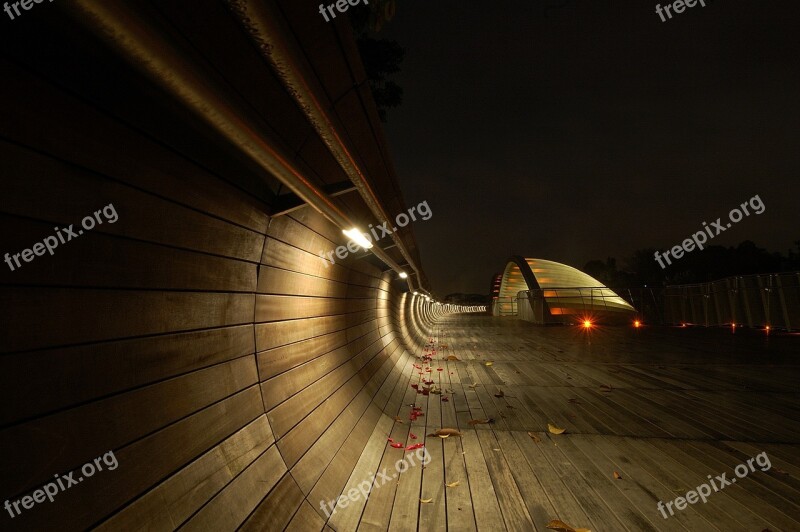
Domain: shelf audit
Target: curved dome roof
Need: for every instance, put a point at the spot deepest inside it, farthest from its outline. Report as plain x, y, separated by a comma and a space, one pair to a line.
566, 290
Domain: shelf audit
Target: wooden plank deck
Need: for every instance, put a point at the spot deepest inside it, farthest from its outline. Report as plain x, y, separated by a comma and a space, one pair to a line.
664, 408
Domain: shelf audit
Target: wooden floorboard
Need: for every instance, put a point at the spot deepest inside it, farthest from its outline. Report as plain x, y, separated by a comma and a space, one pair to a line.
662, 408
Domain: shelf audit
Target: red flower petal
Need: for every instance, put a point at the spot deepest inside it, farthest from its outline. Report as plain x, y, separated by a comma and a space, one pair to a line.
397, 445
412, 435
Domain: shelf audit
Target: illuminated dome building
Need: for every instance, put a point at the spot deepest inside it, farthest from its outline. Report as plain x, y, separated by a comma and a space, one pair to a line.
543, 291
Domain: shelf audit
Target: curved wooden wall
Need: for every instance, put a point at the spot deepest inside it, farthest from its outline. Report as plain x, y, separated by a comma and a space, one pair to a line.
232, 373
235, 376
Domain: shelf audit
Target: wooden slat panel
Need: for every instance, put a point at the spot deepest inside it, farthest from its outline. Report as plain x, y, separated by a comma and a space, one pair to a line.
98, 260
103, 369
228, 509
68, 203
277, 509
144, 463
89, 430
270, 335
74, 317
173, 501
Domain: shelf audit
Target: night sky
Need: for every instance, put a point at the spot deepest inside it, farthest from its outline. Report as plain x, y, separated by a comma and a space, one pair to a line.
593, 131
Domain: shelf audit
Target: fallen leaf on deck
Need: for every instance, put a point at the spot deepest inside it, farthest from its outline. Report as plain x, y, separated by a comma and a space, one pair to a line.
439, 369
535, 437
605, 388
617, 476
453, 484
447, 432
488, 363
425, 501
480, 421
474, 385
555, 430
445, 399
397, 419
453, 358
561, 526
500, 393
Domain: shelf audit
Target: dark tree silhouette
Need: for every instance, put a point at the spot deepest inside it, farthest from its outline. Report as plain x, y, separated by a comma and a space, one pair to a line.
381, 57
698, 266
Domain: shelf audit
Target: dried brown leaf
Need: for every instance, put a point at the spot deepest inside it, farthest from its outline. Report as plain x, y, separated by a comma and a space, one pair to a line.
561, 526
535, 437
480, 421
447, 432
426, 501
490, 363
453, 358
555, 430
453, 484
617, 476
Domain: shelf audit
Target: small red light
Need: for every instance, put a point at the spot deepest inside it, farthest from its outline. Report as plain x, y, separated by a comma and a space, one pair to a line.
637, 323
